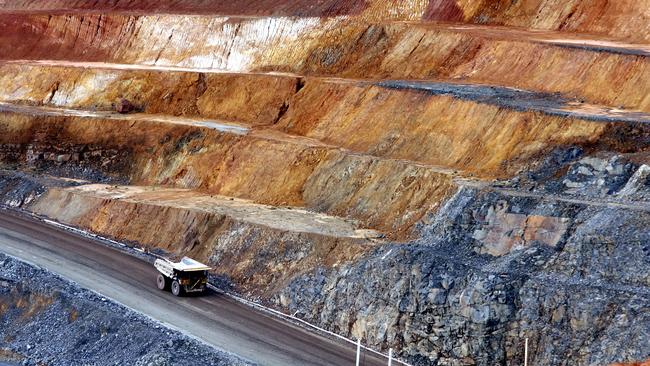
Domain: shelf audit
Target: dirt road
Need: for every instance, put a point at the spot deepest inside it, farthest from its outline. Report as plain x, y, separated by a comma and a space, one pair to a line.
216, 319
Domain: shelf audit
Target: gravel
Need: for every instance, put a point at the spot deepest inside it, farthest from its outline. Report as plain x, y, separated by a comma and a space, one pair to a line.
51, 321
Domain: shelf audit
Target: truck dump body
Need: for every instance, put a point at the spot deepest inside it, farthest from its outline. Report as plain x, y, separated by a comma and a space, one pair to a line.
185, 276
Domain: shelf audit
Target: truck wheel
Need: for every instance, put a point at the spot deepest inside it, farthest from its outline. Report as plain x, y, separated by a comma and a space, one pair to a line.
176, 288
161, 282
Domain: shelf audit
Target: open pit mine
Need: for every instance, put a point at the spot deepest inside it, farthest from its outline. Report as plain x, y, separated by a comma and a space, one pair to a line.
453, 182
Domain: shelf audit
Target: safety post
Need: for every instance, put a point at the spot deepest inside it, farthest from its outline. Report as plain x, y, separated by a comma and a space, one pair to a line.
390, 357
358, 352
526, 352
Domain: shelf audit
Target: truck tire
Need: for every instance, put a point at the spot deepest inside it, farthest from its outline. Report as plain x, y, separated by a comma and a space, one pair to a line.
161, 282
176, 288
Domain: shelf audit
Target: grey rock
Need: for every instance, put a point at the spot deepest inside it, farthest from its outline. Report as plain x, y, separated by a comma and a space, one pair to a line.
584, 300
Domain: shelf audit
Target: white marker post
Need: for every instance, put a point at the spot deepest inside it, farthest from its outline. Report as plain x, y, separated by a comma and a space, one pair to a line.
390, 357
358, 352
526, 352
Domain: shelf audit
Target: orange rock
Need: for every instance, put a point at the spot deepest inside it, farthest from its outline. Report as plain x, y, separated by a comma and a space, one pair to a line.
505, 231
623, 19
642, 363
577, 66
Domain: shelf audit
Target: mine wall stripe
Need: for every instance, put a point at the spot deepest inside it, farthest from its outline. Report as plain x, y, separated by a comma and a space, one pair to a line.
637, 206
143, 67
521, 100
502, 96
159, 118
554, 38
221, 127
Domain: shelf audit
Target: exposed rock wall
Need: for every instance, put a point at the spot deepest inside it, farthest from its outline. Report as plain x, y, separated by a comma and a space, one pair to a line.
259, 168
474, 138
387, 194
601, 72
446, 299
622, 19
494, 266
19, 189
235, 98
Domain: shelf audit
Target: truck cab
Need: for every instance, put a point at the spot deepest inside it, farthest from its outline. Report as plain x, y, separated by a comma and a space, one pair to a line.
186, 276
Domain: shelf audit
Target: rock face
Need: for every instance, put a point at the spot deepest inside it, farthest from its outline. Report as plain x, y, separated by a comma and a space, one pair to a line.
493, 269
637, 185
47, 320
622, 20
506, 231
597, 176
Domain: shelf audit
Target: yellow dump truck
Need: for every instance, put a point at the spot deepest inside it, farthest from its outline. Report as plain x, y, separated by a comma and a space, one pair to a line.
186, 276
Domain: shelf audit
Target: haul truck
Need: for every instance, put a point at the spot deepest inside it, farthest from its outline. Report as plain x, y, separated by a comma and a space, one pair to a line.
182, 277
